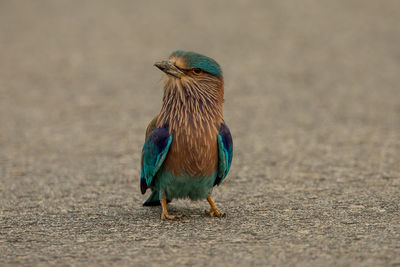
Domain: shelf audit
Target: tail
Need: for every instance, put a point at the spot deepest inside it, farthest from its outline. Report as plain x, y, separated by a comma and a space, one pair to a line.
154, 199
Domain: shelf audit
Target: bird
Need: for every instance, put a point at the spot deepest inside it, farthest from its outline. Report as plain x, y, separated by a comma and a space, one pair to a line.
188, 147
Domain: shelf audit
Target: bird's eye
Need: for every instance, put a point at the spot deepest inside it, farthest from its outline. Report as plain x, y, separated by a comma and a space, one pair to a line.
197, 71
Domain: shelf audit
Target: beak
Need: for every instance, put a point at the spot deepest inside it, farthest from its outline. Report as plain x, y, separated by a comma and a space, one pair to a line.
169, 68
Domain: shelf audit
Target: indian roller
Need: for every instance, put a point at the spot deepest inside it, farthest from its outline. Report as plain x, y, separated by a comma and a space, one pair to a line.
188, 147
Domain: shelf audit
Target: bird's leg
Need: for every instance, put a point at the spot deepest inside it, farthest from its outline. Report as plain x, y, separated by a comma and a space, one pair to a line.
165, 215
214, 211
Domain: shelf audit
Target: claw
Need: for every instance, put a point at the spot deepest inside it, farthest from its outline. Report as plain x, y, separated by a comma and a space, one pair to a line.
215, 213
166, 216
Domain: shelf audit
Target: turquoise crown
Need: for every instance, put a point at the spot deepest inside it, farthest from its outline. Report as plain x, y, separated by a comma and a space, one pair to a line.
195, 60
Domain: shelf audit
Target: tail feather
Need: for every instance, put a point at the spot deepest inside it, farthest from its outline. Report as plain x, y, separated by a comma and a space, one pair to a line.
154, 199
143, 185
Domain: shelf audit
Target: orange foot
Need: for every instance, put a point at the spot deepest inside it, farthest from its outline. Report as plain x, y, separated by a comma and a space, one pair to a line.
215, 213
166, 216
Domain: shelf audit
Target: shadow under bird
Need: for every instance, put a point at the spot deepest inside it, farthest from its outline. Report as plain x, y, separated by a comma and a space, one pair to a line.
188, 146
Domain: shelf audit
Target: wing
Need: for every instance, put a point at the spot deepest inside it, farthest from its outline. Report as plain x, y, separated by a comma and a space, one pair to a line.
225, 153
154, 152
151, 127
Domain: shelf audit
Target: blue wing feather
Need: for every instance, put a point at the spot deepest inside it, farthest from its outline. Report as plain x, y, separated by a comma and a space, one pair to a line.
225, 153
154, 152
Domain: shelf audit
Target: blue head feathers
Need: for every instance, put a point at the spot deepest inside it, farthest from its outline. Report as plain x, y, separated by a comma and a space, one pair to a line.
195, 60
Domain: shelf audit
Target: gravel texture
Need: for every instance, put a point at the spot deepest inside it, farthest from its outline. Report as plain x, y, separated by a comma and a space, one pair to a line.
312, 99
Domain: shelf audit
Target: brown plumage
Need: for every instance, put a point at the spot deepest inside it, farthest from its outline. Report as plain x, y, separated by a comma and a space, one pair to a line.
193, 115
188, 147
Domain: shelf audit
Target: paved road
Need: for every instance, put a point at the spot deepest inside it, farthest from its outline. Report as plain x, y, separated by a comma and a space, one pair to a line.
312, 99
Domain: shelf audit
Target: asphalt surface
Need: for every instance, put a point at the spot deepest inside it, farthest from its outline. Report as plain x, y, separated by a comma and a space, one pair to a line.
312, 98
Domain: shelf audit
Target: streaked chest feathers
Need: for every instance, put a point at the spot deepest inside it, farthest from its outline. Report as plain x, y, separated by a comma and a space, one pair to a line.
193, 110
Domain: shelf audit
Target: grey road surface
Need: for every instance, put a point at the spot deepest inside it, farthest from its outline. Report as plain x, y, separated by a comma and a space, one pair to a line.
312, 99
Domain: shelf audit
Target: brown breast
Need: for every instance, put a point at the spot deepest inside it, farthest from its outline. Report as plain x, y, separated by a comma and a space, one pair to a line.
193, 152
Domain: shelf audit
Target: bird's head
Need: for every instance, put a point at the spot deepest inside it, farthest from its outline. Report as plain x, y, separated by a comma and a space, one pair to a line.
190, 69
186, 63
193, 91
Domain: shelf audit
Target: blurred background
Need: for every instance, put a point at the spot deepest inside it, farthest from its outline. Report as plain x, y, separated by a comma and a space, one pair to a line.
312, 98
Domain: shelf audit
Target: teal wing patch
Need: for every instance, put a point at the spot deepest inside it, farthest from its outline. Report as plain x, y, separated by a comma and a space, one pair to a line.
154, 152
225, 153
